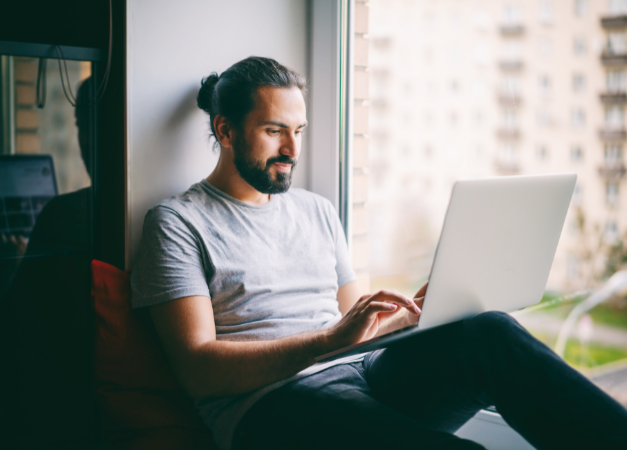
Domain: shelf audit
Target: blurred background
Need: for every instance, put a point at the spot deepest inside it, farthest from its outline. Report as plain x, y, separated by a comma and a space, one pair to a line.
479, 88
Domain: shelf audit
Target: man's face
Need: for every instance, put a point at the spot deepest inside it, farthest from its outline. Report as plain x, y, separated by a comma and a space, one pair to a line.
265, 152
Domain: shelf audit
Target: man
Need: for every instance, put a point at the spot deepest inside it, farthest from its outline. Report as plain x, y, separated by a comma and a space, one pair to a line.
248, 281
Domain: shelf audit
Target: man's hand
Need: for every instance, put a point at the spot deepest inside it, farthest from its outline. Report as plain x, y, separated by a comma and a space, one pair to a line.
364, 319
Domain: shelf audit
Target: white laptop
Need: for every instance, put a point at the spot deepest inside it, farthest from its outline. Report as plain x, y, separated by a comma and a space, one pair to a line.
495, 252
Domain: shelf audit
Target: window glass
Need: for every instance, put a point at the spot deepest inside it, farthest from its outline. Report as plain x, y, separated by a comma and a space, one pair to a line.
45, 243
519, 89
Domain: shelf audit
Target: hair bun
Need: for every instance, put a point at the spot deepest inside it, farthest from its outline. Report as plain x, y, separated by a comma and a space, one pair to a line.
205, 94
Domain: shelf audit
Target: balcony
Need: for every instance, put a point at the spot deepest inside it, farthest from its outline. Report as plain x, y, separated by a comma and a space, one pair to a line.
506, 166
613, 98
508, 133
614, 22
508, 98
512, 29
610, 134
510, 63
612, 171
610, 58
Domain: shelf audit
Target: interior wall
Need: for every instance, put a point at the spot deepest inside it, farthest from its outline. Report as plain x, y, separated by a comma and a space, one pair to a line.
171, 46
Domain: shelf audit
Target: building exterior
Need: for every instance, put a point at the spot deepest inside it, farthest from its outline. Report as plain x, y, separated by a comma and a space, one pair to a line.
487, 88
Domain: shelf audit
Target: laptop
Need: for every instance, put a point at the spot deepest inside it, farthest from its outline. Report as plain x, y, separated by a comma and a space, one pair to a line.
495, 251
27, 183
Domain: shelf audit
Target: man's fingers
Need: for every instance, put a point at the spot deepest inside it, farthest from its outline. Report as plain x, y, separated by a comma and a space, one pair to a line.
419, 302
395, 297
422, 291
377, 307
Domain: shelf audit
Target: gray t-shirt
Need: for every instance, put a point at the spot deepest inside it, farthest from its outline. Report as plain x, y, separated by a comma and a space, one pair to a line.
271, 271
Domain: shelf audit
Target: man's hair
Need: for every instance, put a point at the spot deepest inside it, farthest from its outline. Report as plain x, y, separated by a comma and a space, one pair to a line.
232, 94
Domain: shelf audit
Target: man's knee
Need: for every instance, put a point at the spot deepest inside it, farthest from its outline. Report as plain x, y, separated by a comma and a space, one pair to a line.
494, 326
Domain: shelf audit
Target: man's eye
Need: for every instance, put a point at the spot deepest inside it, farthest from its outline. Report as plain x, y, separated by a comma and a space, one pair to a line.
274, 131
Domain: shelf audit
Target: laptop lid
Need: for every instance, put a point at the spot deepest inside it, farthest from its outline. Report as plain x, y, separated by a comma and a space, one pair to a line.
497, 245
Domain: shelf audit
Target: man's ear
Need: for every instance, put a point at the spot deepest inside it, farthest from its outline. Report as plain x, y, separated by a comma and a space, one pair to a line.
224, 131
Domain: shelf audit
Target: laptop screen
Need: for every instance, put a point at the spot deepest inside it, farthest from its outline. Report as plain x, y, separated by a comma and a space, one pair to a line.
27, 183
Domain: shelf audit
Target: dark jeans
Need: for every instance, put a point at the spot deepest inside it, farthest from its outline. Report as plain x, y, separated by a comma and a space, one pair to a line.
415, 394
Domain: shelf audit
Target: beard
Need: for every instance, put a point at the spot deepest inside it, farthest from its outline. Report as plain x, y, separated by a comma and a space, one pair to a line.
257, 173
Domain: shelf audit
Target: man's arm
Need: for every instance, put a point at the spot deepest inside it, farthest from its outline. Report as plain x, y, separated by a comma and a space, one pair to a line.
206, 367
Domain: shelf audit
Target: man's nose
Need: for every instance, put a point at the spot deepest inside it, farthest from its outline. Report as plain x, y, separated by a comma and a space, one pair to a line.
291, 146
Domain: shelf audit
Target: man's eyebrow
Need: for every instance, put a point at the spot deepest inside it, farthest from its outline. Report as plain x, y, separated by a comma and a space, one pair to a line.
282, 125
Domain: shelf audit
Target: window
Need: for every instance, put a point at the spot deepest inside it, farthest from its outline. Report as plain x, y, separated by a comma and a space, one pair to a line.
512, 15
581, 8
508, 154
577, 118
510, 86
572, 267
544, 85
616, 43
577, 195
616, 81
579, 45
509, 119
611, 232
541, 114
481, 19
545, 48
579, 82
617, 7
542, 153
543, 118
546, 12
576, 154
512, 50
613, 155
611, 193
614, 117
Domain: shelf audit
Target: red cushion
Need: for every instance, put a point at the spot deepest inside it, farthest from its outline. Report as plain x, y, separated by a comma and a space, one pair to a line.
142, 405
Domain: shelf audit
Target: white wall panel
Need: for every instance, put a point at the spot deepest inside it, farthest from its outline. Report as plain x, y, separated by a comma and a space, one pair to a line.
171, 45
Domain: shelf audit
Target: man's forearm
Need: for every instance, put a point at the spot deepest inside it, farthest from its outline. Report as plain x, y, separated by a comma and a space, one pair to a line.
222, 368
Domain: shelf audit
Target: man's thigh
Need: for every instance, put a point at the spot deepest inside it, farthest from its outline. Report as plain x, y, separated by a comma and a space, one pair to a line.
334, 409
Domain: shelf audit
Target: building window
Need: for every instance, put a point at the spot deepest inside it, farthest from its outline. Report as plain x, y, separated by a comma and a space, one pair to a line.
614, 117
579, 82
545, 48
611, 232
509, 118
577, 195
512, 50
576, 153
617, 7
546, 12
543, 119
613, 155
616, 43
616, 81
572, 267
542, 153
581, 8
508, 154
544, 85
577, 118
611, 193
579, 45
510, 86
512, 15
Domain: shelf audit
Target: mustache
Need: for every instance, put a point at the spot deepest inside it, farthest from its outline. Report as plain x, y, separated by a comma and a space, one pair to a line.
282, 159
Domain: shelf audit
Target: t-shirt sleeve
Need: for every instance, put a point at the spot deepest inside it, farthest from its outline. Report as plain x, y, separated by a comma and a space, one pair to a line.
343, 265
170, 262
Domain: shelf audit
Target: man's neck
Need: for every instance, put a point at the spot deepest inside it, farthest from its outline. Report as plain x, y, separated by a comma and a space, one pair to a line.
226, 178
